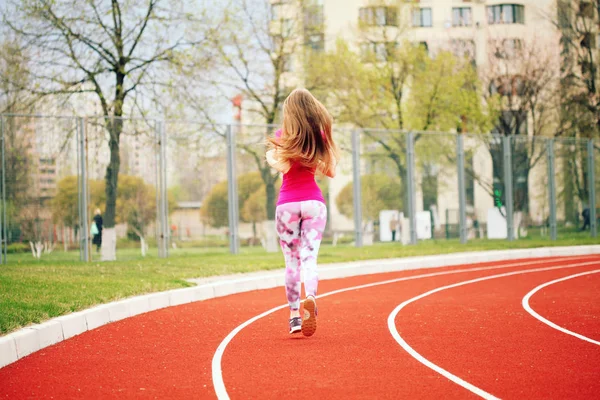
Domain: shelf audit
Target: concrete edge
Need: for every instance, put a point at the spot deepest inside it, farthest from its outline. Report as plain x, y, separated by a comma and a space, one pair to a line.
33, 338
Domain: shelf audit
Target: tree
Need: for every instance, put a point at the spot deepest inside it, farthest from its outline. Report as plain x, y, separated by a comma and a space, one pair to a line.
522, 78
114, 50
214, 211
577, 23
251, 193
397, 86
378, 192
257, 49
136, 202
14, 76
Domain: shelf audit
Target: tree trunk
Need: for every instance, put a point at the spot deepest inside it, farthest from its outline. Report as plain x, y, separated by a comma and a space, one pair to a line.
269, 225
109, 235
521, 162
568, 197
115, 127
271, 200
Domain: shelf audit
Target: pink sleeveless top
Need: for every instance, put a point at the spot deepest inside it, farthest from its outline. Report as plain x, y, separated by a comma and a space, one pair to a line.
299, 184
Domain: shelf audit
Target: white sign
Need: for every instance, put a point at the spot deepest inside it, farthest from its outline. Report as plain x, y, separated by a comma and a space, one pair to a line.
496, 223
424, 225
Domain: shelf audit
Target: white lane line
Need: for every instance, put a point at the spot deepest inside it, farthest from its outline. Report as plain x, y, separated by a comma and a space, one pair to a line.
472, 388
217, 373
551, 324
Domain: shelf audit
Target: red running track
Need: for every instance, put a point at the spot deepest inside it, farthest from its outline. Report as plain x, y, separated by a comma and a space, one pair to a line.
479, 332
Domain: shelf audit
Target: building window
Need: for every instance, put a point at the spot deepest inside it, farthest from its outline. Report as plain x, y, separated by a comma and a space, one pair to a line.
464, 48
316, 42
378, 16
586, 9
507, 48
276, 12
461, 16
382, 51
313, 17
506, 14
422, 18
509, 86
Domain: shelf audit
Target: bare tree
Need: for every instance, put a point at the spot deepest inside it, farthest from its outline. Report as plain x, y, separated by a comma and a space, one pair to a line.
259, 47
522, 81
14, 100
115, 50
395, 85
577, 21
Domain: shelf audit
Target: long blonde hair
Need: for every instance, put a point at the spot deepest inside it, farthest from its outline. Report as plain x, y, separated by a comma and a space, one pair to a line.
306, 133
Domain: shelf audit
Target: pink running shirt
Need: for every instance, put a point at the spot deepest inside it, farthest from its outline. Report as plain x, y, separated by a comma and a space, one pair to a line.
299, 184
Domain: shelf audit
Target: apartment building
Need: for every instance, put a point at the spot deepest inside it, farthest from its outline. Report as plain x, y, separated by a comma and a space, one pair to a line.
484, 30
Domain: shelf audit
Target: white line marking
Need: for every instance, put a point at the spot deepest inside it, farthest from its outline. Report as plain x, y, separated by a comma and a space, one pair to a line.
217, 373
439, 370
527, 307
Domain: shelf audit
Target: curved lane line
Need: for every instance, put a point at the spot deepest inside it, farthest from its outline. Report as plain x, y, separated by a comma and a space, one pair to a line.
551, 324
436, 368
217, 373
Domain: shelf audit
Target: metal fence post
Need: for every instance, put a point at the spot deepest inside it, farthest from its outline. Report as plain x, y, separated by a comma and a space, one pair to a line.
508, 188
357, 189
410, 186
83, 192
158, 220
551, 187
162, 208
232, 193
462, 201
4, 249
163, 192
592, 190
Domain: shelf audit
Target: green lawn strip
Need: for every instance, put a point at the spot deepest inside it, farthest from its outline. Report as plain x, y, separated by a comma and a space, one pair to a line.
34, 291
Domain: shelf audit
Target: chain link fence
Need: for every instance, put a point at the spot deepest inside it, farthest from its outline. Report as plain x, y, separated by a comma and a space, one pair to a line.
190, 187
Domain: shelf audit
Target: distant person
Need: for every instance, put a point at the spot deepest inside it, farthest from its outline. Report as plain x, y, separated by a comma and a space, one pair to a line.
303, 147
394, 227
586, 219
97, 227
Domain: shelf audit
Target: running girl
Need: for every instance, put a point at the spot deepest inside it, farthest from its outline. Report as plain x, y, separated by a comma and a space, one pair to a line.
304, 146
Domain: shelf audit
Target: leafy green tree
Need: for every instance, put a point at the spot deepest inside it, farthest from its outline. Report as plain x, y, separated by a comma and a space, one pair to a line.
400, 89
117, 50
378, 192
251, 193
136, 202
214, 211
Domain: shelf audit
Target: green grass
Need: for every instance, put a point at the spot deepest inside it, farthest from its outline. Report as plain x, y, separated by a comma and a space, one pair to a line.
33, 291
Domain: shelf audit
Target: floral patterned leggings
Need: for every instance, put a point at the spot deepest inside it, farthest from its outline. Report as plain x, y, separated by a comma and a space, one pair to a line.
300, 227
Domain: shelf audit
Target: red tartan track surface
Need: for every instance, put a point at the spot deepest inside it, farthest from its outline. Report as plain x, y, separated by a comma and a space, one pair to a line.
457, 332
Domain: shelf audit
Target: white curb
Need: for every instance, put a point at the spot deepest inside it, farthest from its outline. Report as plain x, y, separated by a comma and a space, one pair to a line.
139, 305
8, 350
96, 317
157, 301
73, 324
182, 296
118, 310
28, 340
49, 332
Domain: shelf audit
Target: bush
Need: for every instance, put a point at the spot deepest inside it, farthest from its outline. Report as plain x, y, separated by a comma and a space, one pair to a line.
18, 248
